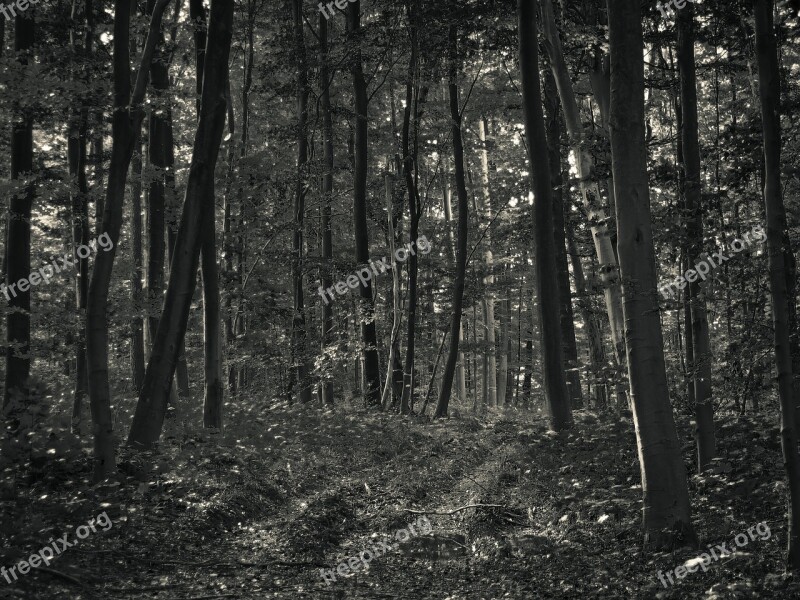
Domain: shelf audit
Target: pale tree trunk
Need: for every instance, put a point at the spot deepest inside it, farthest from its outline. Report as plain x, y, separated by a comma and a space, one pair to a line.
127, 120
388, 384
463, 226
769, 88
666, 514
199, 201
505, 316
484, 205
372, 390
703, 406
590, 190
327, 193
555, 384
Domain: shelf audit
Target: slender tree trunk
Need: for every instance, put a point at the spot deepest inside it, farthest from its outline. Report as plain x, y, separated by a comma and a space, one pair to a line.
769, 88
569, 345
666, 515
484, 206
368, 334
137, 296
18, 242
555, 385
327, 193
703, 407
199, 201
463, 226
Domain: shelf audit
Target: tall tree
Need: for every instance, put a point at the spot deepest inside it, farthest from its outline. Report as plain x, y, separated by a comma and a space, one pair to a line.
463, 225
666, 515
300, 370
372, 393
198, 201
703, 402
769, 91
18, 241
555, 384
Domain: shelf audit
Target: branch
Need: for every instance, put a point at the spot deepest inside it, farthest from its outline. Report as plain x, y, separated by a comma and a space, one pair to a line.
452, 512
153, 34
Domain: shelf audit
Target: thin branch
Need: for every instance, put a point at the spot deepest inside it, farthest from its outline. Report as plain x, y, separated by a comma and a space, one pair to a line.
454, 511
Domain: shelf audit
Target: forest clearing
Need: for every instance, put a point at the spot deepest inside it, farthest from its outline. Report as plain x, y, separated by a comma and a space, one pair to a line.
415, 299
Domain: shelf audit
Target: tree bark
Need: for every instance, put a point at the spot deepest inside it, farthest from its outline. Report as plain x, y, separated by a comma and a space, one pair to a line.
769, 90
666, 515
463, 226
555, 385
18, 242
372, 382
703, 401
198, 202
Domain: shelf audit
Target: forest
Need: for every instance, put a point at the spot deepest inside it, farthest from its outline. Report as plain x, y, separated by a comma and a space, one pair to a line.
415, 299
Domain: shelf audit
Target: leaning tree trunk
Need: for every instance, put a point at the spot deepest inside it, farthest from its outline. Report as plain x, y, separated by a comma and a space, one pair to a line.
198, 202
300, 384
126, 121
372, 393
463, 227
703, 406
18, 241
666, 515
769, 88
555, 383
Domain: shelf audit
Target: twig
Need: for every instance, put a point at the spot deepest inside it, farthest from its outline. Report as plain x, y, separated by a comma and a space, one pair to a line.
452, 512
63, 576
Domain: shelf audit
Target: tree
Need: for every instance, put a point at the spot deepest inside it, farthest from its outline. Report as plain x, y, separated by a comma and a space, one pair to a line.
199, 199
555, 384
463, 226
372, 393
769, 92
666, 515
18, 241
704, 407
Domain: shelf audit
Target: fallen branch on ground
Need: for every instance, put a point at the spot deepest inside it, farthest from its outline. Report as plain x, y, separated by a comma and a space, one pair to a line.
454, 511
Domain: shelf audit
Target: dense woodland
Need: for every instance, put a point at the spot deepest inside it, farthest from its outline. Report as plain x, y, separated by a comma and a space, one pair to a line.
282, 279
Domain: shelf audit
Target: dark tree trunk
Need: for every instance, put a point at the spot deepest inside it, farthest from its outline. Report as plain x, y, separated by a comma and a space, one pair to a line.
703, 406
18, 242
327, 193
372, 393
300, 384
198, 202
769, 89
555, 384
666, 514
463, 226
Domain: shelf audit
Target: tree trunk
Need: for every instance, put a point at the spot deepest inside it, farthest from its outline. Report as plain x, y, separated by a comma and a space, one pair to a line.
569, 345
198, 202
484, 206
463, 226
555, 385
666, 515
327, 193
703, 407
18, 242
137, 296
372, 389
769, 88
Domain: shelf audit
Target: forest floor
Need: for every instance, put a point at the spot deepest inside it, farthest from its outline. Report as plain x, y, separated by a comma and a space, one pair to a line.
259, 511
